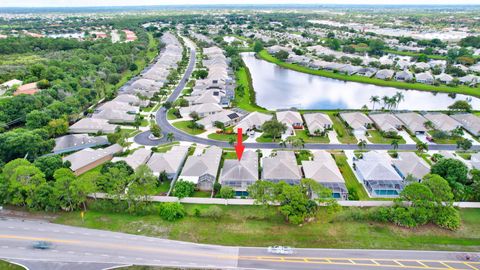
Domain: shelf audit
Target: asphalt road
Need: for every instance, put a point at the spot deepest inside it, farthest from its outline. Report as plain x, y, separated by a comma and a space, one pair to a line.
79, 248
161, 118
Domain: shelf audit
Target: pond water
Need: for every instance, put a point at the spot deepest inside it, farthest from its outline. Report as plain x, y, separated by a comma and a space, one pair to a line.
280, 88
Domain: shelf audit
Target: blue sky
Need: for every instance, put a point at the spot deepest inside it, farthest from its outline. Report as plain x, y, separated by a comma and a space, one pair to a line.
70, 3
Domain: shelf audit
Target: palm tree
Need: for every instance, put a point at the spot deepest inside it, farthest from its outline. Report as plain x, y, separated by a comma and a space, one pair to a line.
170, 137
362, 144
421, 146
394, 144
385, 100
399, 96
428, 124
374, 100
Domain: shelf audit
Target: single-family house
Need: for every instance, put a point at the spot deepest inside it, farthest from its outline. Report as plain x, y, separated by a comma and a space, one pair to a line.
317, 123
386, 122
413, 122
88, 158
408, 163
469, 121
115, 116
239, 174
404, 76
253, 121
169, 162
442, 121
201, 109
378, 175
27, 89
424, 77
359, 122
92, 125
324, 170
422, 66
227, 117
281, 167
469, 79
444, 78
202, 169
290, 119
385, 74
75, 142
367, 71
135, 159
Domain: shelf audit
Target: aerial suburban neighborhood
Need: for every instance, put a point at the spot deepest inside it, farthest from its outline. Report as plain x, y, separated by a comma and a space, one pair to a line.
239, 135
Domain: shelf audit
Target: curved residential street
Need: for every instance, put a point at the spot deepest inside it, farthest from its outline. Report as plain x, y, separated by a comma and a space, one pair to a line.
161, 118
87, 249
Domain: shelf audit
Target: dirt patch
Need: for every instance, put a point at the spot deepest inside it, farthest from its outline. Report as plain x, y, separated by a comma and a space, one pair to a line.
12, 212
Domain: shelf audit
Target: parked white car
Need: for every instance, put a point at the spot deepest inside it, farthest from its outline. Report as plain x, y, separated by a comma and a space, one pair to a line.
280, 250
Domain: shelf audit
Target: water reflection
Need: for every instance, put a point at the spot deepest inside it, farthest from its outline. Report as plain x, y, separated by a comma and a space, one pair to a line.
278, 87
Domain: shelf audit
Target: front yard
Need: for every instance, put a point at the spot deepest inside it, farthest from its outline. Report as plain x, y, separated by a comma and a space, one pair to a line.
377, 137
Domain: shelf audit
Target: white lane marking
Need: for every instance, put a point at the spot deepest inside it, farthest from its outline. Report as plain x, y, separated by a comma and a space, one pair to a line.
54, 250
105, 255
4, 246
87, 254
11, 227
56, 231
70, 252
121, 257
21, 247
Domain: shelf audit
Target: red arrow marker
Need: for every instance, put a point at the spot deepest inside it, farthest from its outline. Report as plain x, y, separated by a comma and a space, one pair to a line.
239, 147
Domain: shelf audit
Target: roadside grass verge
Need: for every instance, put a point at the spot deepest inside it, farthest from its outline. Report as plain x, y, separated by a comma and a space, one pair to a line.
9, 266
184, 126
262, 227
460, 89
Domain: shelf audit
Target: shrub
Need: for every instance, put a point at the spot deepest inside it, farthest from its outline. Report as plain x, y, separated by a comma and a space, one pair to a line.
380, 214
214, 212
227, 192
447, 217
183, 189
172, 211
404, 217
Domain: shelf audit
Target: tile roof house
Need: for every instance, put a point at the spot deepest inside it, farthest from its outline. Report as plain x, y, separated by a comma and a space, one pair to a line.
201, 109
75, 142
424, 77
169, 162
317, 122
281, 167
469, 79
413, 122
27, 89
359, 122
240, 174
137, 158
378, 175
202, 169
367, 72
386, 122
252, 121
442, 121
227, 117
324, 170
92, 125
88, 158
408, 163
290, 118
469, 121
384, 74
115, 116
404, 75
444, 78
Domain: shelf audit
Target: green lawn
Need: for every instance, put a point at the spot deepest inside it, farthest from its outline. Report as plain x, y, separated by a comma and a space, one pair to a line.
170, 115
225, 137
246, 101
376, 137
343, 134
413, 54
183, 125
164, 148
265, 139
460, 89
447, 140
202, 194
229, 155
164, 187
303, 134
10, 266
350, 179
259, 226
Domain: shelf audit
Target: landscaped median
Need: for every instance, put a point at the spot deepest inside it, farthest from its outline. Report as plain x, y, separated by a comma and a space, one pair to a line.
461, 89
